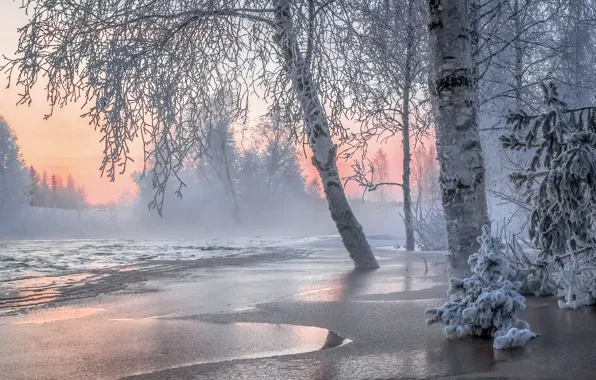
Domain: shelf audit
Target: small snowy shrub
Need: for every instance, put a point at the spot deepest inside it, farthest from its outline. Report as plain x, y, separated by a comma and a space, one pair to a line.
484, 304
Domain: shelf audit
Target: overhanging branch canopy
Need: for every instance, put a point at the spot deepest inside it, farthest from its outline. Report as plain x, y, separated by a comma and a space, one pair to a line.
139, 67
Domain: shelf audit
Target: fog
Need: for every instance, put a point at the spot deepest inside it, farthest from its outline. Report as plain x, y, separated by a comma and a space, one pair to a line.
267, 219
242, 186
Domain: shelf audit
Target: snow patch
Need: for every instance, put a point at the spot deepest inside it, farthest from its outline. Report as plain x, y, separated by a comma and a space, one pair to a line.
514, 338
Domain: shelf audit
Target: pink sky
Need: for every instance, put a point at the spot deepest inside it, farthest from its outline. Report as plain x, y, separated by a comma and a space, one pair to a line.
63, 144
67, 144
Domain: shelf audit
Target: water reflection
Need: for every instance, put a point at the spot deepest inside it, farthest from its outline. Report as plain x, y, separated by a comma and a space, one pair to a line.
550, 321
117, 348
28, 292
59, 315
354, 283
511, 354
405, 364
339, 289
303, 338
463, 356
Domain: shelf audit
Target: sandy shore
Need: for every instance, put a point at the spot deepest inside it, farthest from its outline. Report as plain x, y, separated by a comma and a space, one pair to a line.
270, 319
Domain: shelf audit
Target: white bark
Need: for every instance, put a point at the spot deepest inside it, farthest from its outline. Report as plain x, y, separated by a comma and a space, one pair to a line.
458, 140
410, 237
319, 137
519, 57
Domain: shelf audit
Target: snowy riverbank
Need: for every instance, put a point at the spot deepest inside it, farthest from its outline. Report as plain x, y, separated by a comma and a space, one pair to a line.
227, 321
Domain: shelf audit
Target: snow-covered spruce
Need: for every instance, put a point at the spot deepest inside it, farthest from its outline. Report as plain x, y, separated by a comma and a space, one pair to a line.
486, 303
559, 184
13, 178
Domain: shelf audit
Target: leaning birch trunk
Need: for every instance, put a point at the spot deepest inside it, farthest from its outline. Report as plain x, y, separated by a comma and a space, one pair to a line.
458, 139
319, 137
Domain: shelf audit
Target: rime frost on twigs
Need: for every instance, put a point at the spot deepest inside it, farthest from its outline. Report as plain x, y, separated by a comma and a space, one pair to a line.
533, 272
430, 229
484, 304
577, 285
139, 66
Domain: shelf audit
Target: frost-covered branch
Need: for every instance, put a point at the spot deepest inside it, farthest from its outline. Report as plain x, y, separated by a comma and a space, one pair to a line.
559, 185
138, 67
429, 227
509, 198
364, 176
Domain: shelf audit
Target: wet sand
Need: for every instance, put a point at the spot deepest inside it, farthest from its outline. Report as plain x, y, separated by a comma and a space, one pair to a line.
227, 321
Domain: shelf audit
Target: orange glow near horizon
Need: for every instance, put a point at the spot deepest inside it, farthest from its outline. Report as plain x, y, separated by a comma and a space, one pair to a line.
62, 145
66, 144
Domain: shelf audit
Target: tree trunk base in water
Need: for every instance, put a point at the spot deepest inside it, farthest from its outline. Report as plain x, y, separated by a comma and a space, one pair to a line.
320, 141
348, 226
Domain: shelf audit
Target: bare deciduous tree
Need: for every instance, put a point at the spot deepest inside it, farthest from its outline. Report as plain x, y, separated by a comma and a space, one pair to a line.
138, 66
221, 161
425, 175
388, 82
381, 169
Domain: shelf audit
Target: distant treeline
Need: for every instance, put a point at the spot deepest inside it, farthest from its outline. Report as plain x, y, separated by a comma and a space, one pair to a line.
51, 191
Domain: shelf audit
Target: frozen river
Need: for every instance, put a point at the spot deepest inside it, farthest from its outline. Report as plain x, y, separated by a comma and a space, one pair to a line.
36, 272
40, 258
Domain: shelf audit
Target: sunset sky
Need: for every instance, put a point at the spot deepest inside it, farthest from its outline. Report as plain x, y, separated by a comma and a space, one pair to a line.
67, 144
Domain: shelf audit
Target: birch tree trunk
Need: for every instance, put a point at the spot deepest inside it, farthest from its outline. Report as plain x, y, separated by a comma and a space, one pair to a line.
581, 45
410, 239
517, 46
319, 137
458, 139
473, 26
